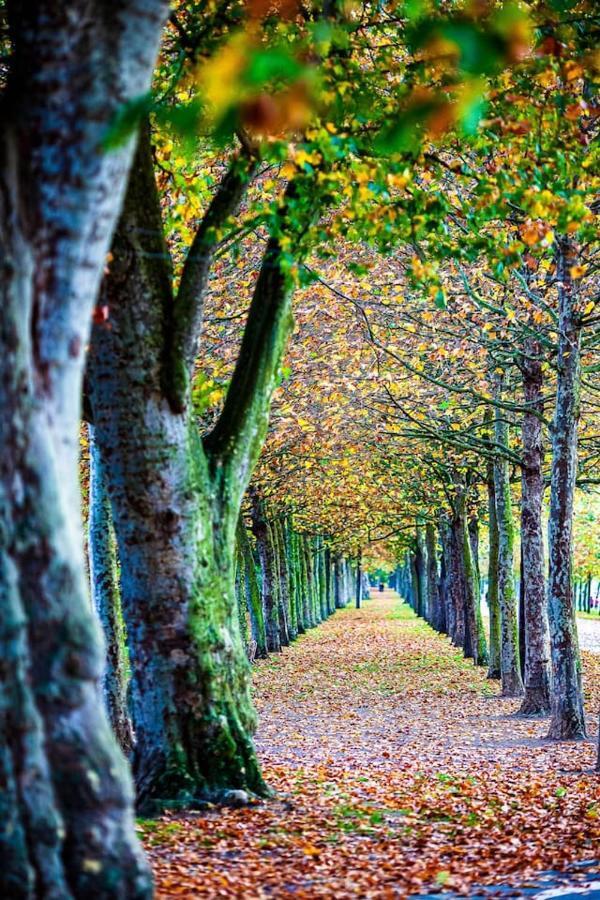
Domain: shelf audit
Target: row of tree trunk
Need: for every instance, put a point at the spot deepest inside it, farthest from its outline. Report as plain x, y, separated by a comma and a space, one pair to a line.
297, 584
440, 578
542, 663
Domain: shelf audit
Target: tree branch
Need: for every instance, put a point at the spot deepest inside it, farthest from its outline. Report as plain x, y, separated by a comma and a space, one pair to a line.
187, 310
235, 442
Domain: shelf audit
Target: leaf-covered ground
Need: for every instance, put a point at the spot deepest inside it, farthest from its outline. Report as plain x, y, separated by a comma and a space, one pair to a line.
397, 769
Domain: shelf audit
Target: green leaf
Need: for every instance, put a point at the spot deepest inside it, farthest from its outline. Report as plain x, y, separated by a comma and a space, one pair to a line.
275, 64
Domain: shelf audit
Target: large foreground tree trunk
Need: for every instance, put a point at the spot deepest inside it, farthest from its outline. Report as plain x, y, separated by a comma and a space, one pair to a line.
568, 719
66, 827
176, 498
537, 641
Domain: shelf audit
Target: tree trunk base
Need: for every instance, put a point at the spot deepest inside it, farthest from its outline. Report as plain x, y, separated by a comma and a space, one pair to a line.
569, 728
215, 762
201, 798
512, 690
535, 703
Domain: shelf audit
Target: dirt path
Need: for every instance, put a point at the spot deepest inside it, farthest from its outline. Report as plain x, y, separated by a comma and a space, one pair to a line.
398, 770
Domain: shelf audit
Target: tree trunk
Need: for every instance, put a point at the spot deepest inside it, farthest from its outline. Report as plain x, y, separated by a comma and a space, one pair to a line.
510, 667
269, 579
358, 580
107, 600
338, 581
493, 600
446, 578
304, 560
176, 500
257, 619
521, 616
190, 687
465, 585
242, 605
473, 593
67, 826
456, 580
322, 577
568, 719
313, 581
537, 640
329, 582
280, 585
413, 594
442, 626
288, 577
433, 597
420, 573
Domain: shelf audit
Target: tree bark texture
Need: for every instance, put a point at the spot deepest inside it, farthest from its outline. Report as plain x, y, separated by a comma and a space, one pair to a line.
106, 597
67, 827
568, 719
535, 614
510, 667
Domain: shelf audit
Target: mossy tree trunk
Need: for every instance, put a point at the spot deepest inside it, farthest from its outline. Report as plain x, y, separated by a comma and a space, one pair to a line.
568, 719
297, 573
322, 559
482, 648
287, 575
242, 605
413, 593
475, 643
176, 498
420, 572
279, 586
303, 555
493, 599
269, 577
312, 581
252, 588
442, 626
464, 586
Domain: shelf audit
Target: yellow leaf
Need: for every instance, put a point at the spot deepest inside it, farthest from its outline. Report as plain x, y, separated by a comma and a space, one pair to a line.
577, 271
